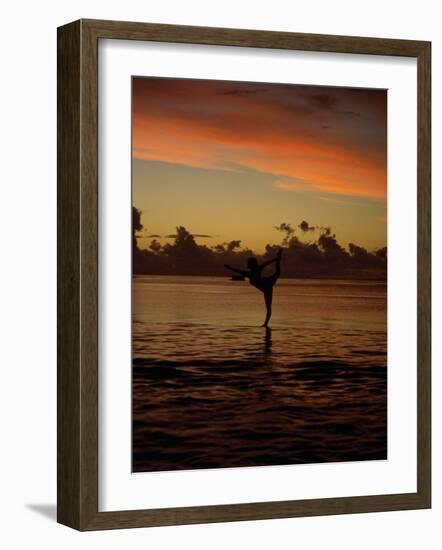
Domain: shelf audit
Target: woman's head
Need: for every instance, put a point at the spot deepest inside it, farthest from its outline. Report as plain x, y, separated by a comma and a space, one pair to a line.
252, 263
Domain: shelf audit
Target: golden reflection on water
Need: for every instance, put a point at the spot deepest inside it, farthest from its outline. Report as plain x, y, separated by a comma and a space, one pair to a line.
212, 389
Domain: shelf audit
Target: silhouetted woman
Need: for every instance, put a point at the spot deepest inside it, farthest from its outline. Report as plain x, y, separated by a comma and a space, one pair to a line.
264, 284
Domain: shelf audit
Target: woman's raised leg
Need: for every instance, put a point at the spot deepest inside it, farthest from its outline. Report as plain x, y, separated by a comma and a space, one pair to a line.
278, 264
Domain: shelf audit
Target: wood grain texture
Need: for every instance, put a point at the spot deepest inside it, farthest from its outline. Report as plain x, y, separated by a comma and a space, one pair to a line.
68, 276
78, 274
424, 275
252, 38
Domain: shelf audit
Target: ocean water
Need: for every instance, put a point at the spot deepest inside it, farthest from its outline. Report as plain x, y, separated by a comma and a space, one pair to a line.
213, 389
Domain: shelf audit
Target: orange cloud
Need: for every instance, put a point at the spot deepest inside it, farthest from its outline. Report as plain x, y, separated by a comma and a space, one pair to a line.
332, 142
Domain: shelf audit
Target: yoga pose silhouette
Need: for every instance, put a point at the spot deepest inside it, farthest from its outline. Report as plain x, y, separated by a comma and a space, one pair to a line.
264, 284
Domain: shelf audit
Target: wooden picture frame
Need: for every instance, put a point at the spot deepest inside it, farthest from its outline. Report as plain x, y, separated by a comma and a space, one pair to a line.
78, 274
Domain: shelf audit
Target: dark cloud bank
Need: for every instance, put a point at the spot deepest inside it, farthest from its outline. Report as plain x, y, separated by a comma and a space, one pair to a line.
309, 251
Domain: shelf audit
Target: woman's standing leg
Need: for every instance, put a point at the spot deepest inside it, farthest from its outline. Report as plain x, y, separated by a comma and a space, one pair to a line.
268, 287
268, 297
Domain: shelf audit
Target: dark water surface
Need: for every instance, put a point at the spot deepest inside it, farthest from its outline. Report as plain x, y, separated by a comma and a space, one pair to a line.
211, 389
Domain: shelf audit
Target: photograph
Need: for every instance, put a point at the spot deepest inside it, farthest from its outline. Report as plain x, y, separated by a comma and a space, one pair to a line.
259, 274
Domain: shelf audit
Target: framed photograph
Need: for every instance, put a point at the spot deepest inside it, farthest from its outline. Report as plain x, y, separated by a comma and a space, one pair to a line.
243, 275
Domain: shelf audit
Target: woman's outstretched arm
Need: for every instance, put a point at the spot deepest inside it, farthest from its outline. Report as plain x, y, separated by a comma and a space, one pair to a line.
240, 271
268, 262
277, 258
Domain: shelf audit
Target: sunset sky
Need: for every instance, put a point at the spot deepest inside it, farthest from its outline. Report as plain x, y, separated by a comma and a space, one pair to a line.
230, 160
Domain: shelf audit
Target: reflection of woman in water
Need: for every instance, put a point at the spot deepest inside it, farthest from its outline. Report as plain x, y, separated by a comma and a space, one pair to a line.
264, 284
